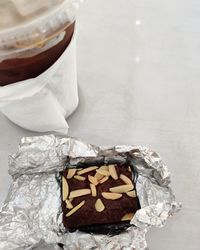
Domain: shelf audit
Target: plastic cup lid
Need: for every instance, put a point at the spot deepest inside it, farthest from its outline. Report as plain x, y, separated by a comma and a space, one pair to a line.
25, 23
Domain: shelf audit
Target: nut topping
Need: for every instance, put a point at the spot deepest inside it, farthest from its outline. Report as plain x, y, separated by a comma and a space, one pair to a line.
111, 196
104, 179
79, 192
86, 170
125, 179
128, 216
80, 178
93, 180
98, 176
75, 209
121, 189
104, 168
65, 189
71, 173
99, 206
103, 172
93, 190
131, 194
69, 204
113, 172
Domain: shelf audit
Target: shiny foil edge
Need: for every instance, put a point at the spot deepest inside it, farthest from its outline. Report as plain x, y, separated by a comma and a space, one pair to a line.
31, 215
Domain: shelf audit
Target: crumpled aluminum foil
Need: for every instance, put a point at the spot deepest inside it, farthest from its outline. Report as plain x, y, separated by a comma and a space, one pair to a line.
31, 217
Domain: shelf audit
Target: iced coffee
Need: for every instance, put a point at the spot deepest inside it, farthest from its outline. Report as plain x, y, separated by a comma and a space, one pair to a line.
33, 35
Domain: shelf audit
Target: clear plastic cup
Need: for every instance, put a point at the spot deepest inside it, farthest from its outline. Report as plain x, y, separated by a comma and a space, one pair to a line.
33, 35
38, 75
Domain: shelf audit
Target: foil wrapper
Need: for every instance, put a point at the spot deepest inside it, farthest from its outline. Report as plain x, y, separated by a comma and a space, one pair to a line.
31, 217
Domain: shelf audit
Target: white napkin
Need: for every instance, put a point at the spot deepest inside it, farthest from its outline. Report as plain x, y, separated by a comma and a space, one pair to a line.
41, 104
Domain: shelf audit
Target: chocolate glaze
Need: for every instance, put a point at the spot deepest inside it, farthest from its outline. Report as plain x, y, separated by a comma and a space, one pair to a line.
87, 218
19, 69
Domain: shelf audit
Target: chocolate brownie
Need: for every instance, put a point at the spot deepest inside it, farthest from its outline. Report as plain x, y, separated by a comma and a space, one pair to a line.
98, 195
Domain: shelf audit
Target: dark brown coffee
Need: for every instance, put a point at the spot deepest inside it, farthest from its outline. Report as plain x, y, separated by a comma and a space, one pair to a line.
19, 69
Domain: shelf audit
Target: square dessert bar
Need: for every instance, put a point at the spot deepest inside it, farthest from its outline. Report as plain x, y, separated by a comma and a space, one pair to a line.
98, 195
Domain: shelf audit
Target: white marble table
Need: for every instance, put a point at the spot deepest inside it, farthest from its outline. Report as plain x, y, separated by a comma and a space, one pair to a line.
139, 72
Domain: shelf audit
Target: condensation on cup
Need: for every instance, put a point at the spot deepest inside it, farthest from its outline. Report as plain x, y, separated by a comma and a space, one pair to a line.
38, 74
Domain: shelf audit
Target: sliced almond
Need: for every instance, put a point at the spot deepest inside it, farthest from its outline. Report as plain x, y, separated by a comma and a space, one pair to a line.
69, 204
99, 206
125, 179
128, 216
111, 196
79, 192
104, 168
80, 178
98, 176
131, 194
71, 173
93, 190
121, 189
75, 209
113, 172
93, 180
103, 172
65, 189
129, 169
86, 170
105, 178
